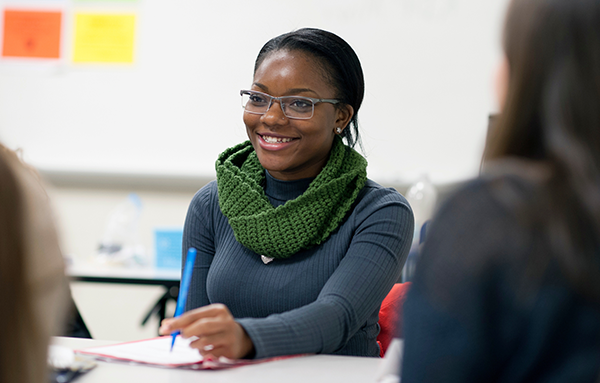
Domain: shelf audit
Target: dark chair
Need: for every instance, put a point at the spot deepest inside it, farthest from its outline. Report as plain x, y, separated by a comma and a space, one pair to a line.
74, 325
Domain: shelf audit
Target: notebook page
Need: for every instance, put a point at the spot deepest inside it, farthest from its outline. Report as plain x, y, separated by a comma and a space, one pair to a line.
152, 351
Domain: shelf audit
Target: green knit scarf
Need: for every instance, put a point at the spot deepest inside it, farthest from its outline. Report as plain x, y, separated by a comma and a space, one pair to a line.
298, 224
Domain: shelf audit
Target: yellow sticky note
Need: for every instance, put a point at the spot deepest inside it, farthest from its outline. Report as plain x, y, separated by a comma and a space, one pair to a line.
103, 38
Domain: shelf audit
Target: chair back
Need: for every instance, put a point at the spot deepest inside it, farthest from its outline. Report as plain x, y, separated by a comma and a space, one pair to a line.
390, 316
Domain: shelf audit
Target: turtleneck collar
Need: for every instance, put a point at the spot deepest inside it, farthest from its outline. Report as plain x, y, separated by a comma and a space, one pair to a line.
279, 192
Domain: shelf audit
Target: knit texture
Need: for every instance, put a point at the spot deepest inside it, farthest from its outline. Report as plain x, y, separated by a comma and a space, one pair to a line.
321, 300
308, 220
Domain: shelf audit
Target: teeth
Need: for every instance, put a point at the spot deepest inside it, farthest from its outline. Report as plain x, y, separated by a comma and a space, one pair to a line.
275, 140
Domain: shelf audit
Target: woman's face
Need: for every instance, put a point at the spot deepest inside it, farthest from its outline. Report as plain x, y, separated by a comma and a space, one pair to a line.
292, 149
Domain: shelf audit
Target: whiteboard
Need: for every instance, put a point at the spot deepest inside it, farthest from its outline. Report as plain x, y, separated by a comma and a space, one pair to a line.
428, 68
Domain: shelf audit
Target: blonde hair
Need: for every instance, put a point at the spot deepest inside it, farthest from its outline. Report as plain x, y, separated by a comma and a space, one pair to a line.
33, 286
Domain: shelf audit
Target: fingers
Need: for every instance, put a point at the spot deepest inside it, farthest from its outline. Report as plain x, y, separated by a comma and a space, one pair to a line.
186, 319
217, 332
212, 345
165, 324
207, 326
232, 343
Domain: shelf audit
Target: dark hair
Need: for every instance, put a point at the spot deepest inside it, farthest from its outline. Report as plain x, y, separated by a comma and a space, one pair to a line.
340, 63
551, 116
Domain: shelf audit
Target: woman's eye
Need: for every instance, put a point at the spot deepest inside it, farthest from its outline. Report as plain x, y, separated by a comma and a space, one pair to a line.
300, 104
257, 99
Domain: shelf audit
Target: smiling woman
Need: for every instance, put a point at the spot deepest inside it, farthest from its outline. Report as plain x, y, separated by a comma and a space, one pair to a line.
296, 247
287, 146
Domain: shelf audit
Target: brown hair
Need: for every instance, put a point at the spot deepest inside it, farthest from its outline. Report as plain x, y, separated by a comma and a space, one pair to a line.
22, 346
551, 117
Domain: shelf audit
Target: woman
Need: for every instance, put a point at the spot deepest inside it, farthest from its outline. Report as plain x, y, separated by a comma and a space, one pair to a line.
32, 281
508, 285
296, 248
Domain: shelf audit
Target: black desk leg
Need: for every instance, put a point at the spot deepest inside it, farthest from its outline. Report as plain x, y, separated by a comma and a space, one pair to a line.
160, 307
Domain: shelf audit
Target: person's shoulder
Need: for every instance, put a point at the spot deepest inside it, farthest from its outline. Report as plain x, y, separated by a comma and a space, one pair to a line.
485, 213
374, 197
210, 188
506, 187
374, 190
373, 193
207, 195
481, 233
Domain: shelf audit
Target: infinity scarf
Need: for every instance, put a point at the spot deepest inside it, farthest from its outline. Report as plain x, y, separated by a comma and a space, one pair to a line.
279, 232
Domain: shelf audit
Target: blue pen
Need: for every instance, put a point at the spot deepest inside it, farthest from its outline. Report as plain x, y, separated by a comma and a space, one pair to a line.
186, 279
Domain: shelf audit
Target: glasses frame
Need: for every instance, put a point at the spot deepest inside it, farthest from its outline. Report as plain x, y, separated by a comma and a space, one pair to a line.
273, 98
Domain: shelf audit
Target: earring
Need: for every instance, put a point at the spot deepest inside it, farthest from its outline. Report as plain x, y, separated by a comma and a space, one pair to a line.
338, 130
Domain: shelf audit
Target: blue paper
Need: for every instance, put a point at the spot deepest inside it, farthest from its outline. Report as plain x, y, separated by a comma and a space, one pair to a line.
168, 248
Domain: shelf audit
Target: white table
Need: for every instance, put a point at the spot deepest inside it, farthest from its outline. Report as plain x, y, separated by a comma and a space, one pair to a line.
307, 369
89, 272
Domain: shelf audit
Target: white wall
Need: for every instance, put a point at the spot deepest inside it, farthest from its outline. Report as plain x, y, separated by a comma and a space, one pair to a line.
428, 66
83, 213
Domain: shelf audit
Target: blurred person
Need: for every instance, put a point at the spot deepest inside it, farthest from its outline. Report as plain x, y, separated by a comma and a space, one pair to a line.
34, 288
296, 247
508, 285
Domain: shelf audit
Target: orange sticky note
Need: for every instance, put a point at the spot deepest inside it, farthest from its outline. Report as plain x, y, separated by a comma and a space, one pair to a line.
104, 38
31, 34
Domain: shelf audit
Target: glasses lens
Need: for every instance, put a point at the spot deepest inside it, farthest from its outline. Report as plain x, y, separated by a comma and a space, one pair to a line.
297, 107
255, 102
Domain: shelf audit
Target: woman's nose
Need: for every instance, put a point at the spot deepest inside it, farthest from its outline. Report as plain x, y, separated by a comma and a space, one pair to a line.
274, 114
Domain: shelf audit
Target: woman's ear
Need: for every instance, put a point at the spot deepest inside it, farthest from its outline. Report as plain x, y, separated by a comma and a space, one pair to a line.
344, 114
501, 82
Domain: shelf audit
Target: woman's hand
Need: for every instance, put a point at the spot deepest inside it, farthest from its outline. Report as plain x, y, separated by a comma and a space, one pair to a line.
218, 333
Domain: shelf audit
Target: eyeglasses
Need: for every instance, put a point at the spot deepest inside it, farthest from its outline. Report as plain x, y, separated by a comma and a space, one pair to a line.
296, 107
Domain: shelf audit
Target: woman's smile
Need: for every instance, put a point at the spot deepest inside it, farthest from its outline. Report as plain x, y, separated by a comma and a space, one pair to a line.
271, 139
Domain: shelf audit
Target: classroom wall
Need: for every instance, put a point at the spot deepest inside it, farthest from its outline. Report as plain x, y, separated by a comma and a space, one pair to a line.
428, 69
83, 213
100, 131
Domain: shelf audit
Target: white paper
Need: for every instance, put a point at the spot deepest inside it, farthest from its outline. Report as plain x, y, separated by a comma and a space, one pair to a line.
153, 351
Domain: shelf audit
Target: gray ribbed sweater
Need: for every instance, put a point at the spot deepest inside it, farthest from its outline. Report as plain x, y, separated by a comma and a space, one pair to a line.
322, 300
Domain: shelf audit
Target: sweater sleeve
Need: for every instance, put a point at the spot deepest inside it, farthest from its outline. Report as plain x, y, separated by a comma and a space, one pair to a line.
372, 264
491, 301
199, 233
459, 303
